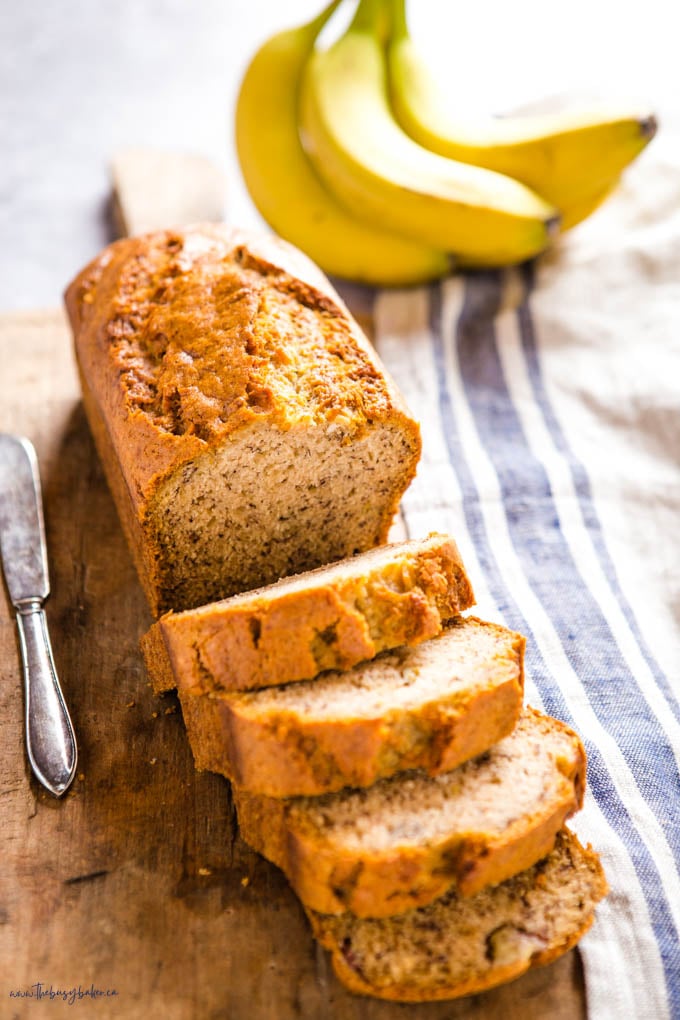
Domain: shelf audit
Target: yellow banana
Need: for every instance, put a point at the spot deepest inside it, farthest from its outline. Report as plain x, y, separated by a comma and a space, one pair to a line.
382, 175
581, 210
288, 193
565, 156
574, 215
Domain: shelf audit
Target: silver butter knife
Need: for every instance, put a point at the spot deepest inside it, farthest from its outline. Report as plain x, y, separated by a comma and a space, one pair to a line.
50, 740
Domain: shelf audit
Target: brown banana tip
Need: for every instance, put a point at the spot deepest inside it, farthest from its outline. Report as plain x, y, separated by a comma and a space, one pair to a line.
552, 226
649, 126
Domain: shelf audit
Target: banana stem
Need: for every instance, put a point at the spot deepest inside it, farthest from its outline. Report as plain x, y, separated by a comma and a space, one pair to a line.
368, 16
313, 27
398, 26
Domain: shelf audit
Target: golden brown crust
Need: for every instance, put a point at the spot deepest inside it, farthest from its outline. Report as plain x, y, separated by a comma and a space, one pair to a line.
140, 549
164, 337
563, 925
332, 878
142, 293
287, 754
276, 635
157, 661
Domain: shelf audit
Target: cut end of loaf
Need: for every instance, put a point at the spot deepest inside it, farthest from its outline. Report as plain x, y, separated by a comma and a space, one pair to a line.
268, 504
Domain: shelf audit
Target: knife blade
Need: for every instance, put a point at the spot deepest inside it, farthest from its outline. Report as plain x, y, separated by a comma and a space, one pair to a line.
50, 739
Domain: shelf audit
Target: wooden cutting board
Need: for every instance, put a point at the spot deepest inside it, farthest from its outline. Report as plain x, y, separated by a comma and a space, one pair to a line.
136, 885
137, 882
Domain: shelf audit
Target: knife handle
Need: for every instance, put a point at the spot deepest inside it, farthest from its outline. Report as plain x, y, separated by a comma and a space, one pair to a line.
50, 739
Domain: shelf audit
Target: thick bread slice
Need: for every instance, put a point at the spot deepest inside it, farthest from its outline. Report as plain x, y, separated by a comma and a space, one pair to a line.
246, 425
429, 706
404, 841
461, 946
329, 618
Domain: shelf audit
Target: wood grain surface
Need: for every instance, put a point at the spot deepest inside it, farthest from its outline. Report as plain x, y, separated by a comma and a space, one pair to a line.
136, 883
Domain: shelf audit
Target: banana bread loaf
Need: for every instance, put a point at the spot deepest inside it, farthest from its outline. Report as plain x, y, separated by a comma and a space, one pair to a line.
464, 945
428, 706
329, 618
246, 426
406, 840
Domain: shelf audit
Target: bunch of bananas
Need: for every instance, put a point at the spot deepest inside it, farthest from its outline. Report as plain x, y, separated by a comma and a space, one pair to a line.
352, 154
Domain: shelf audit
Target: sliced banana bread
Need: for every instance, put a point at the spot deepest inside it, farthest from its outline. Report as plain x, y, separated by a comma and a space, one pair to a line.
464, 945
329, 618
404, 841
429, 706
247, 427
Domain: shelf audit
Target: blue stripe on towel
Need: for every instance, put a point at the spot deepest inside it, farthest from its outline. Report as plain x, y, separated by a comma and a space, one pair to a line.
582, 486
553, 574
481, 303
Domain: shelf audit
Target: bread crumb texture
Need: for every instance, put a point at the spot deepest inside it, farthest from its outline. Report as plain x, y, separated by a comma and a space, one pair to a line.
459, 946
329, 618
404, 841
430, 705
513, 779
255, 427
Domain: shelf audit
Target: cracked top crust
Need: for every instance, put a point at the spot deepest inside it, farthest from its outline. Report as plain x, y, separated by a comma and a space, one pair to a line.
186, 336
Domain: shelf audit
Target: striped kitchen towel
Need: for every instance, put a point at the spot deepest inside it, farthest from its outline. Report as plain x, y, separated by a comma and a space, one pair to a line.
549, 400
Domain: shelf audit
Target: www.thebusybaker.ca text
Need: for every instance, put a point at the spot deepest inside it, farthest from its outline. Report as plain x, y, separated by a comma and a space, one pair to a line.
69, 995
